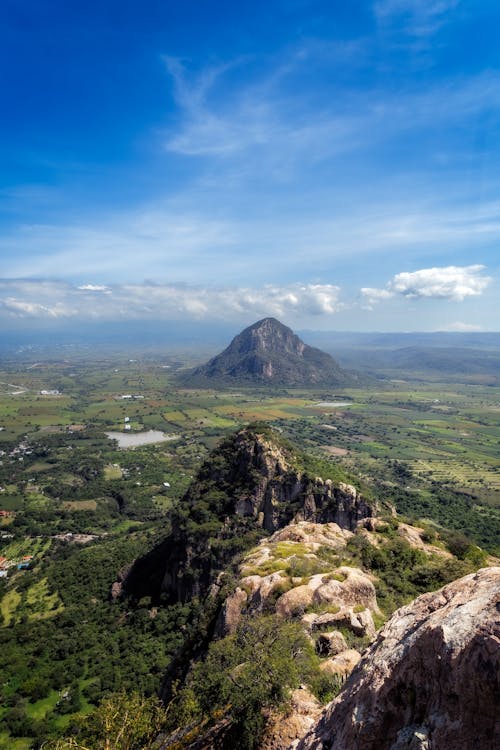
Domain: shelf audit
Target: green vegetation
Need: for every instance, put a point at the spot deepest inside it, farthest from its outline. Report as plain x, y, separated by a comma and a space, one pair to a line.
86, 648
404, 572
242, 674
124, 721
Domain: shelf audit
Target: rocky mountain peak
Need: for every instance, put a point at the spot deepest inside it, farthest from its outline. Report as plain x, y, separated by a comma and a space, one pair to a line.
270, 335
270, 352
251, 484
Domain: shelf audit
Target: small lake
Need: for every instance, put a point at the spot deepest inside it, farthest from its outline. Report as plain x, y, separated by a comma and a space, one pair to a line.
135, 439
334, 403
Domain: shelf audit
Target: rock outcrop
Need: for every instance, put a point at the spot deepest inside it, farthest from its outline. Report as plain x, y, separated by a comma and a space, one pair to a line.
269, 352
345, 588
282, 729
263, 482
430, 681
296, 574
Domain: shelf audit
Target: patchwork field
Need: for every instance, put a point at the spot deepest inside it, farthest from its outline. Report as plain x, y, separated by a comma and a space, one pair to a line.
427, 437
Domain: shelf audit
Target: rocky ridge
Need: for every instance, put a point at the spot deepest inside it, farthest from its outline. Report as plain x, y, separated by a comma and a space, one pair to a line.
297, 574
306, 572
319, 571
250, 485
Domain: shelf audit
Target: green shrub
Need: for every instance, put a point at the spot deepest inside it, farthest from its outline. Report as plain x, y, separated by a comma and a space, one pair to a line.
243, 674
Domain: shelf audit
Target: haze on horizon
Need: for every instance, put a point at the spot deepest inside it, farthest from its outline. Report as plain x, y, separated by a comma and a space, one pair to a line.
332, 164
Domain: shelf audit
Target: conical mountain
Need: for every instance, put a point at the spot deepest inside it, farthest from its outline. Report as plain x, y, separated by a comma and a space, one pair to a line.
269, 352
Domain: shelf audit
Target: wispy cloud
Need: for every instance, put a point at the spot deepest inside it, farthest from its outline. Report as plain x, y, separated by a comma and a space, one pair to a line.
373, 295
454, 283
264, 129
172, 246
259, 115
419, 18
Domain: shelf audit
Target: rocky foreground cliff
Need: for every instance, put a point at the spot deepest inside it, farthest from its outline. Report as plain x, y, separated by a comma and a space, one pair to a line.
430, 681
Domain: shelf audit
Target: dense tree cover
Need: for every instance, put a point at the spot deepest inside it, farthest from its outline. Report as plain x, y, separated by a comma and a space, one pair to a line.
450, 509
92, 648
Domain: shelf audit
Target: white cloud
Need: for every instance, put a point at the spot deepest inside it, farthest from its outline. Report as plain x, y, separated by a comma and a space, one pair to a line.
25, 309
449, 282
94, 288
49, 300
460, 327
374, 295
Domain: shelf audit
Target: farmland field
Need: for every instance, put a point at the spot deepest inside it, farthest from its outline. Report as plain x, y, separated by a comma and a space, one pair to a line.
440, 437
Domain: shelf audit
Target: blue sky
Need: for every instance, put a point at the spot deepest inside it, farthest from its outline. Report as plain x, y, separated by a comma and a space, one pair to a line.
334, 164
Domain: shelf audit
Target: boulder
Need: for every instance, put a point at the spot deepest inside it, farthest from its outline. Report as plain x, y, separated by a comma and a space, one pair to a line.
230, 614
354, 589
296, 601
330, 644
262, 587
282, 729
360, 623
342, 664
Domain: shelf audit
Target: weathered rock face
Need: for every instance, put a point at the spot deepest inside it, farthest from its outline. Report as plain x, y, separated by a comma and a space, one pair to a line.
331, 644
342, 664
270, 490
306, 583
354, 590
431, 680
270, 352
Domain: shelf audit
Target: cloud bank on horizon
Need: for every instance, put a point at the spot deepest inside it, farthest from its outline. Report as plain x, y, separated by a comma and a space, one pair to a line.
25, 299
332, 164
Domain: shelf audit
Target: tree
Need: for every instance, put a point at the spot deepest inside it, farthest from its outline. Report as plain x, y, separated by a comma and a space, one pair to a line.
122, 722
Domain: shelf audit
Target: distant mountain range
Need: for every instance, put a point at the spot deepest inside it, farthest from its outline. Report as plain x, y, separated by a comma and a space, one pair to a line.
270, 353
458, 356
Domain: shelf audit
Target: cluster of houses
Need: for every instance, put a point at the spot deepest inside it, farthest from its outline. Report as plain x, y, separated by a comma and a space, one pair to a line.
21, 450
22, 563
75, 538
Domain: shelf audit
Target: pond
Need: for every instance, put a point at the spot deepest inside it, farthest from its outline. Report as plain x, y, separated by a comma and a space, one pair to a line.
135, 439
334, 403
